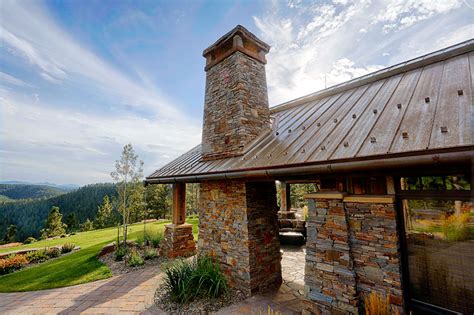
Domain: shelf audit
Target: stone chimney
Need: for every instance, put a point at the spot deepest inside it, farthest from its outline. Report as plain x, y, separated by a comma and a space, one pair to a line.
236, 107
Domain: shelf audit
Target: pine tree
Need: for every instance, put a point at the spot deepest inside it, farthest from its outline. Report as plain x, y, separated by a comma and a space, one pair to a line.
71, 222
88, 225
10, 234
158, 200
54, 225
104, 216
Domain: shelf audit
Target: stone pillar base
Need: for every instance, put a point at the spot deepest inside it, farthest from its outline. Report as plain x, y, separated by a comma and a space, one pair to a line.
178, 241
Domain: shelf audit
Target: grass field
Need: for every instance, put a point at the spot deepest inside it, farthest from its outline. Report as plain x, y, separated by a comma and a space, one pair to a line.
79, 267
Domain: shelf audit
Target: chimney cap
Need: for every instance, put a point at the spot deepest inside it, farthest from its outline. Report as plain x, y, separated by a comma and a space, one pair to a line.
238, 39
242, 31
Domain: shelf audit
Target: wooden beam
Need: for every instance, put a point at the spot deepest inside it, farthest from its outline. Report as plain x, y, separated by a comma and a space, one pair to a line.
285, 194
179, 203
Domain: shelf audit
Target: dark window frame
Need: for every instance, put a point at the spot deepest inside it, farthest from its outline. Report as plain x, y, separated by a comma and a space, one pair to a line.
463, 195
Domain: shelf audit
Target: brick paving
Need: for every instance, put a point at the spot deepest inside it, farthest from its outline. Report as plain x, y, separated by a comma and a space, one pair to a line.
128, 294
133, 293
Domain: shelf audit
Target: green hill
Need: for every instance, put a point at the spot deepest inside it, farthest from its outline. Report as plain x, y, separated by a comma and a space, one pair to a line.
21, 191
29, 216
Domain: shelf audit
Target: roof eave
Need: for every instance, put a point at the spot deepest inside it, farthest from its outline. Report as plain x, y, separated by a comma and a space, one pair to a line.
386, 162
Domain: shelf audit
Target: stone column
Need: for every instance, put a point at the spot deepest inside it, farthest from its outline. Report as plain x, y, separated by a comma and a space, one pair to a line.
178, 241
238, 226
375, 246
330, 281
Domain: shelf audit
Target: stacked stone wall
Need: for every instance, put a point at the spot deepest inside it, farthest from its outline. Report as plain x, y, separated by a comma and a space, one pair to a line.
236, 106
352, 250
376, 250
238, 226
329, 275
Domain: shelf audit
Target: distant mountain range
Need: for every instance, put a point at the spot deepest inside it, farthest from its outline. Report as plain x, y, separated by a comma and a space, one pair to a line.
65, 187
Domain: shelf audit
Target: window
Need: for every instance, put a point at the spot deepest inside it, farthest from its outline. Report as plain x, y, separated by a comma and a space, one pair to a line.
439, 235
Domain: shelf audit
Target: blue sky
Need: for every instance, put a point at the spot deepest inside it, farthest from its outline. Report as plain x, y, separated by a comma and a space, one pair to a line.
80, 79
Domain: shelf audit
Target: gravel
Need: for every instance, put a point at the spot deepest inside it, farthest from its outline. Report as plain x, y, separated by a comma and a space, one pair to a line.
197, 306
121, 267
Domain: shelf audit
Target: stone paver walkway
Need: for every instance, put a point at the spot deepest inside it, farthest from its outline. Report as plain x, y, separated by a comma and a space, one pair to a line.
133, 293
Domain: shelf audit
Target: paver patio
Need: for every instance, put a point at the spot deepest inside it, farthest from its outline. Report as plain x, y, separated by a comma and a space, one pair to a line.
133, 293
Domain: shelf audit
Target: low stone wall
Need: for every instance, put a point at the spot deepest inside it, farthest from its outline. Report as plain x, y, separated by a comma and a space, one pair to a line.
238, 225
352, 249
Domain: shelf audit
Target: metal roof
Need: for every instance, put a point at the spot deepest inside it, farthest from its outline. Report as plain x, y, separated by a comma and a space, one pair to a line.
419, 106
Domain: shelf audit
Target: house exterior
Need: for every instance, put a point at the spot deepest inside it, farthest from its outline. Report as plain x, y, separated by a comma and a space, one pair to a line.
391, 152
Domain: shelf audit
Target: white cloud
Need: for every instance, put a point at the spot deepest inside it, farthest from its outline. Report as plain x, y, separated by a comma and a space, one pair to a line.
47, 142
30, 32
399, 14
50, 139
11, 80
308, 45
320, 44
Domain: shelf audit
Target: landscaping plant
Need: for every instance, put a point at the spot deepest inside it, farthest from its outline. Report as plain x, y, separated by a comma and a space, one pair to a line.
154, 238
29, 240
67, 247
185, 280
120, 252
37, 256
135, 260
377, 304
150, 253
12, 263
53, 252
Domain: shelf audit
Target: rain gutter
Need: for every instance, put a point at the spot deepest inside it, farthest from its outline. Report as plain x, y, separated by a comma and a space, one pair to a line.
325, 168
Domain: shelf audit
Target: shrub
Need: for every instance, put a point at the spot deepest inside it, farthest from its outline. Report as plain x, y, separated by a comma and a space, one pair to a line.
29, 240
53, 252
67, 247
207, 279
119, 253
177, 277
37, 256
12, 263
185, 280
150, 253
135, 260
154, 238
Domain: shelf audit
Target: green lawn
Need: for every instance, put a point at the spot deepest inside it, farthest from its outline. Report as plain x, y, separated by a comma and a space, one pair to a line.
79, 267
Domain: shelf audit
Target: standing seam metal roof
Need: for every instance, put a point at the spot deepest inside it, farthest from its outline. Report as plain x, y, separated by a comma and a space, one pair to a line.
422, 104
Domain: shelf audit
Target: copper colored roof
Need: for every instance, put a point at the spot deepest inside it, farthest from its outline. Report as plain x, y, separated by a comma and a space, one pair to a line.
419, 106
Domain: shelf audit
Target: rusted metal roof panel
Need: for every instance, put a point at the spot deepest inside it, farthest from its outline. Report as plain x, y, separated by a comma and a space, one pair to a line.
424, 104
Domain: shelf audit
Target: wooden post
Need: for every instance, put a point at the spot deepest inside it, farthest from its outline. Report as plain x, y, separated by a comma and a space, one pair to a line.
285, 194
179, 203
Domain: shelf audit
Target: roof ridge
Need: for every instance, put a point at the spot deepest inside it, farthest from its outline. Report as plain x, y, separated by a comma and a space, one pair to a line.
417, 62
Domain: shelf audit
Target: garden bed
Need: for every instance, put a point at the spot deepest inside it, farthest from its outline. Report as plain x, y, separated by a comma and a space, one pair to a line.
119, 267
20, 260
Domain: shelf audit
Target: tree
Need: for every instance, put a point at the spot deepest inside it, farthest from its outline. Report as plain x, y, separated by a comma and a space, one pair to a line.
88, 225
10, 234
136, 202
158, 200
54, 225
71, 222
128, 172
104, 216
